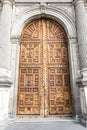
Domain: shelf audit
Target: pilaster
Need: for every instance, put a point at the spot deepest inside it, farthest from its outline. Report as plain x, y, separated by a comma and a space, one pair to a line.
74, 61
81, 25
6, 21
15, 51
5, 54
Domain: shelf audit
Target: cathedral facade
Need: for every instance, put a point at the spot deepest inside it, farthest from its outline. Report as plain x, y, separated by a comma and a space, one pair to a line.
43, 59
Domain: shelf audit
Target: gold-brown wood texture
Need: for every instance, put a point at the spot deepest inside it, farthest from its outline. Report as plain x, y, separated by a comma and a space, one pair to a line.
44, 81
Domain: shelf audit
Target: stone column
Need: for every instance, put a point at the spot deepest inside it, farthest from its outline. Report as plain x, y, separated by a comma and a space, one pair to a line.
5, 46
5, 57
81, 24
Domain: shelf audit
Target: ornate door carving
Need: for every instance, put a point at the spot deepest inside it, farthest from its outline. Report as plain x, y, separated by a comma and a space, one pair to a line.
44, 84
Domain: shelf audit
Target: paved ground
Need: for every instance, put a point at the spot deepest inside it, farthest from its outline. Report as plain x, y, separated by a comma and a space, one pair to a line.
45, 126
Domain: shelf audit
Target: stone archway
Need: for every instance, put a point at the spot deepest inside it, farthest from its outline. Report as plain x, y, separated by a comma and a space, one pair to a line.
68, 23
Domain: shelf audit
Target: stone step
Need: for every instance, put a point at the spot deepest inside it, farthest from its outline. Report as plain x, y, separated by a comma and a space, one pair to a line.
44, 126
43, 120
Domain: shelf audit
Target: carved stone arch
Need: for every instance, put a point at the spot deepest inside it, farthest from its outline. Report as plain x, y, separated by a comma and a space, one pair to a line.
35, 12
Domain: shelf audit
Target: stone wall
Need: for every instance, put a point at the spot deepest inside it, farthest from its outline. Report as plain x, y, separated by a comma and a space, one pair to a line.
15, 16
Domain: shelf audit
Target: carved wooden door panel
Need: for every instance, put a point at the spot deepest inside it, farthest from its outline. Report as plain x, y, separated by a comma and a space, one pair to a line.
44, 84
30, 70
58, 82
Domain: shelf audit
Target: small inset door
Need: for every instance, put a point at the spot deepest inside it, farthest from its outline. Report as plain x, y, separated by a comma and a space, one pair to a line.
44, 80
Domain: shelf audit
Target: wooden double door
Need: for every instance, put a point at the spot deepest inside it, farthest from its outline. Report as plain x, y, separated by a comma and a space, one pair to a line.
44, 83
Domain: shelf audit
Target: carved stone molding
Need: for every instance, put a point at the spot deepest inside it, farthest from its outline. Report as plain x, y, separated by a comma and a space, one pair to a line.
73, 40
15, 39
56, 13
43, 7
11, 2
5, 78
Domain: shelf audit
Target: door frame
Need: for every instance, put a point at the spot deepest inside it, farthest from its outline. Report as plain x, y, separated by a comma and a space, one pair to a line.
68, 23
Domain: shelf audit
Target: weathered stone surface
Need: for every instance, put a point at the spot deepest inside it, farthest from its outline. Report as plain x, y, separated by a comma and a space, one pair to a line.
43, 1
46, 126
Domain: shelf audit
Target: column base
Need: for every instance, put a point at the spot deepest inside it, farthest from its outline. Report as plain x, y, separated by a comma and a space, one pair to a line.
82, 84
77, 118
84, 120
